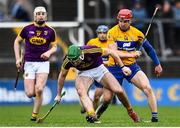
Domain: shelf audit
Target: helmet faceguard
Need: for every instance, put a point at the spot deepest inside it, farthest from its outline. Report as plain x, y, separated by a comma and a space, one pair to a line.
38, 10
102, 28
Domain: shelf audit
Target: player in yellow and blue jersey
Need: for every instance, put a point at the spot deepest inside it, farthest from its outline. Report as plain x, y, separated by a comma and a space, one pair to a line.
128, 39
102, 42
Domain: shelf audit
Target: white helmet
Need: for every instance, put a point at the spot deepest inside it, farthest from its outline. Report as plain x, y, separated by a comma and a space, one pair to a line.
39, 9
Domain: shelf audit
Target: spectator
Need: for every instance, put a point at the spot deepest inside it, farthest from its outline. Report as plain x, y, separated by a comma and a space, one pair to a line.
168, 27
2, 11
176, 15
19, 12
139, 12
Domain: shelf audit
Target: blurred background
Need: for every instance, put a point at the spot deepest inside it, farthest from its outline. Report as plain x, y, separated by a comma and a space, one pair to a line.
75, 22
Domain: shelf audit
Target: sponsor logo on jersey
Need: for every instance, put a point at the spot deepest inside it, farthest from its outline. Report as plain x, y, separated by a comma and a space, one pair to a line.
31, 32
126, 44
37, 40
45, 32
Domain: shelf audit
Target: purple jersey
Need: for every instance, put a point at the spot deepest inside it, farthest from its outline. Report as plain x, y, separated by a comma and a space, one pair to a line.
37, 41
92, 59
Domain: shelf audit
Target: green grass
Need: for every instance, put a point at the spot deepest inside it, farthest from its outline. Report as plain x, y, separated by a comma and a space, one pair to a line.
70, 116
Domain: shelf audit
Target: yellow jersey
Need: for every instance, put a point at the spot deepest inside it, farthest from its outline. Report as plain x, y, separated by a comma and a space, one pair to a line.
98, 43
126, 41
102, 44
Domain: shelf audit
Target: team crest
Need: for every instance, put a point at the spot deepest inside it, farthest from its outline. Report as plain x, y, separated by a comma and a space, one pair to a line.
31, 32
38, 33
45, 32
125, 37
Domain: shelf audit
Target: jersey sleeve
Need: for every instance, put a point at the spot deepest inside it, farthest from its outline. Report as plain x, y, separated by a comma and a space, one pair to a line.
110, 37
93, 51
66, 64
89, 42
140, 36
53, 38
23, 33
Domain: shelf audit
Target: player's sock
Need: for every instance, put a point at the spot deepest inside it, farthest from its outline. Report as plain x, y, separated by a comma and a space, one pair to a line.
83, 110
101, 108
154, 117
91, 113
91, 117
133, 115
34, 116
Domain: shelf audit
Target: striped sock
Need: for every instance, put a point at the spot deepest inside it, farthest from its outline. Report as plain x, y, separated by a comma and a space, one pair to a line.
154, 115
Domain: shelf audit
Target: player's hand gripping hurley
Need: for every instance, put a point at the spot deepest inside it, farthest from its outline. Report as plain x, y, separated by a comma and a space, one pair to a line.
40, 120
19, 69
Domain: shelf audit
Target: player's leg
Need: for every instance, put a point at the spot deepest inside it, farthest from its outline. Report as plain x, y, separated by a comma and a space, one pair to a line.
29, 86
110, 82
107, 97
29, 83
83, 84
41, 79
29, 79
41, 76
141, 81
97, 95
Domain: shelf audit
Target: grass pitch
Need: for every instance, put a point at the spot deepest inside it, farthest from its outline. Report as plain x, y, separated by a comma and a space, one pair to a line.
69, 116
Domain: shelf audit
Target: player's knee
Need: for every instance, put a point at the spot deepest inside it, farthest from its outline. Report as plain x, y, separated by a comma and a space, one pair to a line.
119, 91
39, 90
81, 92
30, 94
107, 99
148, 91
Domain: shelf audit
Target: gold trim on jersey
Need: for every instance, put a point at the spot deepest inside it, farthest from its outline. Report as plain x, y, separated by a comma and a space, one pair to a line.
65, 63
92, 50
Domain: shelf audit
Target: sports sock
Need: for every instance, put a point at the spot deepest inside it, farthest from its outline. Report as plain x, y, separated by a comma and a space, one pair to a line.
154, 115
91, 113
130, 110
100, 110
34, 115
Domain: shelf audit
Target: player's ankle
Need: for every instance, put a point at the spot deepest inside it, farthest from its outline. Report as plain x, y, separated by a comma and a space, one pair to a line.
154, 117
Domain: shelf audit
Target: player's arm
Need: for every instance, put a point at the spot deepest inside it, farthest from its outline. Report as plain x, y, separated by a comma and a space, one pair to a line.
53, 48
133, 54
113, 53
61, 78
152, 54
17, 42
48, 53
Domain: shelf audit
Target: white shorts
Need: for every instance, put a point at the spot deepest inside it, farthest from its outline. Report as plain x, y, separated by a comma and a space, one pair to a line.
95, 73
31, 68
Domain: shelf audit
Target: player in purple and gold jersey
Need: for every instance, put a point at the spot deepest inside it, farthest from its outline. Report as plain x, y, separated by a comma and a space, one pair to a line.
88, 61
38, 38
100, 41
127, 39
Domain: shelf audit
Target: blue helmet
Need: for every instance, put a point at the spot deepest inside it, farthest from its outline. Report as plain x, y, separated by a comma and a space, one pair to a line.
102, 28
